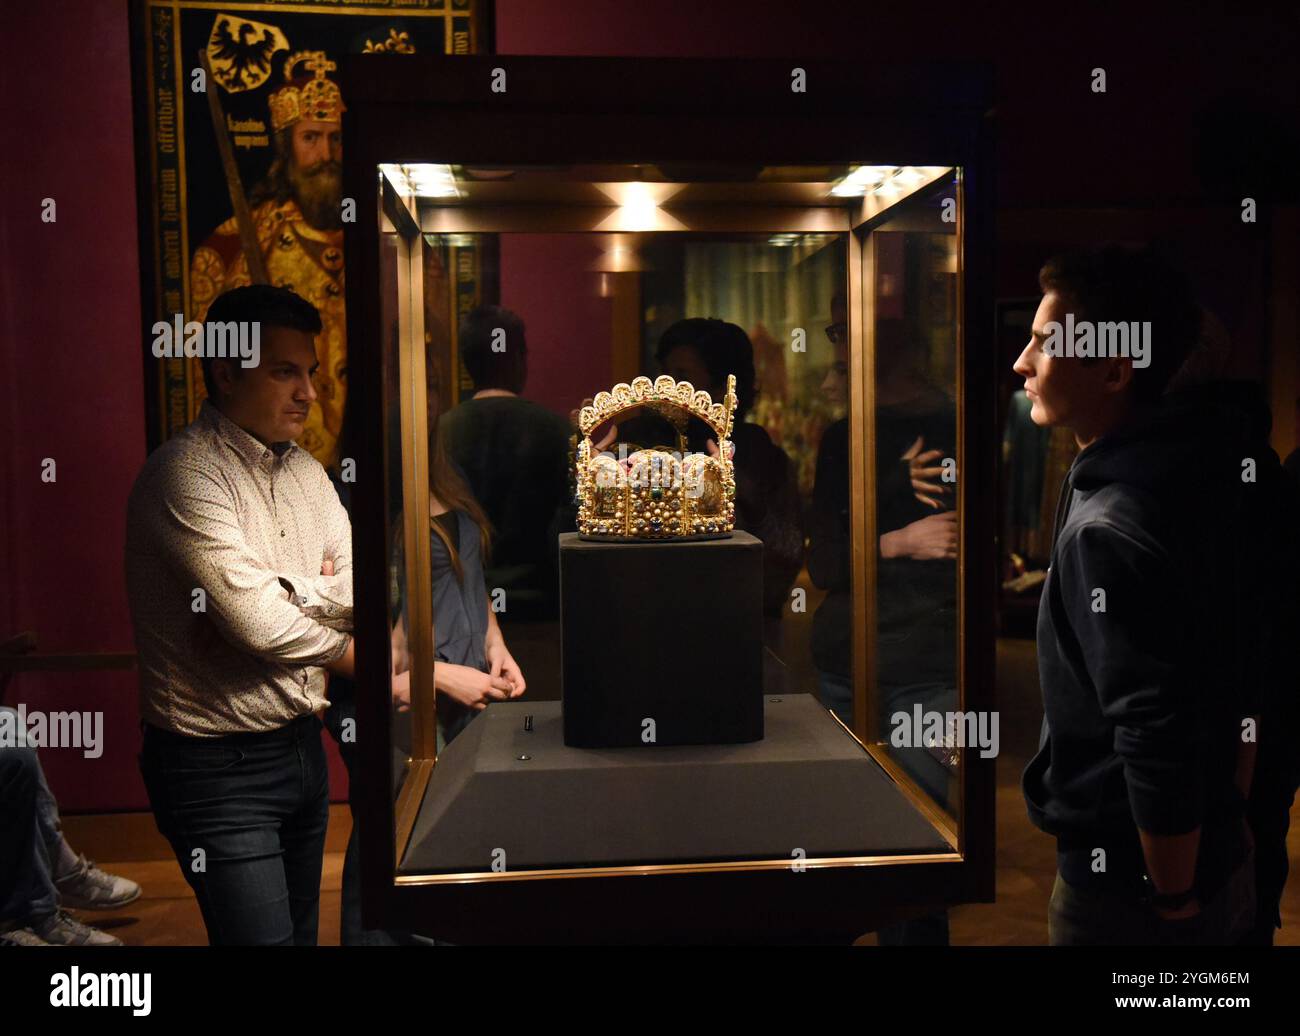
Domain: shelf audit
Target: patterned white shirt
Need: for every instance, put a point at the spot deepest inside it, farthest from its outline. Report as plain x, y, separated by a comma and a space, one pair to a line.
224, 546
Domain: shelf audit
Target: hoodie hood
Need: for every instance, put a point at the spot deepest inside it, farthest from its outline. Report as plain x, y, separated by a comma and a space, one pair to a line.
1227, 418
1167, 452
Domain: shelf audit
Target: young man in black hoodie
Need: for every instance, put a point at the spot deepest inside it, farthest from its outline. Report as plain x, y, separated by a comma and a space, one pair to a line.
1151, 627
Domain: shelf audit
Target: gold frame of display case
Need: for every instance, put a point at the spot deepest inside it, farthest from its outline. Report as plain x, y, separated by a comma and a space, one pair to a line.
706, 115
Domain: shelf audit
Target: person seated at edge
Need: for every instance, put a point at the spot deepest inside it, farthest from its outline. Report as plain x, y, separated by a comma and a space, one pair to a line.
229, 525
40, 875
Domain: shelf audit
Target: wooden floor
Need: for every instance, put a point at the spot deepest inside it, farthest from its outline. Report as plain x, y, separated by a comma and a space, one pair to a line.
166, 915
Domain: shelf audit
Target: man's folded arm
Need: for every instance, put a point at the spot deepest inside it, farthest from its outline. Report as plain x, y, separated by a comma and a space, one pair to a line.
328, 598
323, 599
197, 530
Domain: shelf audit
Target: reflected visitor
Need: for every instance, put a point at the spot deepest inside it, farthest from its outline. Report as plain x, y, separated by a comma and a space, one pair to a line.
704, 352
830, 547
913, 525
916, 589
514, 454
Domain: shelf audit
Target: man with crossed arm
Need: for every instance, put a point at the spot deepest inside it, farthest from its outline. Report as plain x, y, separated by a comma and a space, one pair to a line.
230, 526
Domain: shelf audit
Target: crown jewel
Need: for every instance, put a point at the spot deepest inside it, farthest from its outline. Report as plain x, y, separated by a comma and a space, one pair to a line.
657, 494
317, 99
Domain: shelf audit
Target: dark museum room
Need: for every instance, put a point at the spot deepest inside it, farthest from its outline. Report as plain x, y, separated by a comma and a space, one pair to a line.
777, 475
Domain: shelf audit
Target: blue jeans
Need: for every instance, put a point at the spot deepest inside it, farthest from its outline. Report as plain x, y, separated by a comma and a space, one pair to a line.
31, 838
246, 815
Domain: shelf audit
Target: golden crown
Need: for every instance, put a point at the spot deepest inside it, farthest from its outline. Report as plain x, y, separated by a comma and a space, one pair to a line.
317, 99
657, 494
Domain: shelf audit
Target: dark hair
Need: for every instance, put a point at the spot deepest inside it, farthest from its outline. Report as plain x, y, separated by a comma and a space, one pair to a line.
489, 368
265, 304
1121, 283
724, 348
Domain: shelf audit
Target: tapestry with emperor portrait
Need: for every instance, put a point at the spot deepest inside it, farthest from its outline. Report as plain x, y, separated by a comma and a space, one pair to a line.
239, 144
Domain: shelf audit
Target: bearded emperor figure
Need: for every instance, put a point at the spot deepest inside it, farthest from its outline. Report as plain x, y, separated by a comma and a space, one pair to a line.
297, 217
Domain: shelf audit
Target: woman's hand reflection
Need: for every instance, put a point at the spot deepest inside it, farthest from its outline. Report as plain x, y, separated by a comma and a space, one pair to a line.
714, 451
933, 538
929, 493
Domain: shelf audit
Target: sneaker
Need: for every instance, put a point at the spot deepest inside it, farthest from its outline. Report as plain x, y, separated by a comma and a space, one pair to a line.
59, 929
21, 937
89, 888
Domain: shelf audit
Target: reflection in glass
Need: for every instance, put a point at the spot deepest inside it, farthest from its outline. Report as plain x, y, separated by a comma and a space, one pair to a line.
778, 319
572, 313
914, 435
830, 548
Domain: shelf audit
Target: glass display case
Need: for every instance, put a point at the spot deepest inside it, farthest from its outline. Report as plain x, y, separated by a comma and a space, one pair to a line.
781, 730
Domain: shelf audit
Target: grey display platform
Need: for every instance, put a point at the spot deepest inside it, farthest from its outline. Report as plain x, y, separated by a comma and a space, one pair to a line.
807, 785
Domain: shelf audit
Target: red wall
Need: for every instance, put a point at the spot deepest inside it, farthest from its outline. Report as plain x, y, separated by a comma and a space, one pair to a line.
545, 278
72, 383
71, 386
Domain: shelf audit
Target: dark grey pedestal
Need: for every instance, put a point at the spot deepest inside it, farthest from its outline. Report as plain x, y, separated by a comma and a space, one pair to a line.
807, 785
